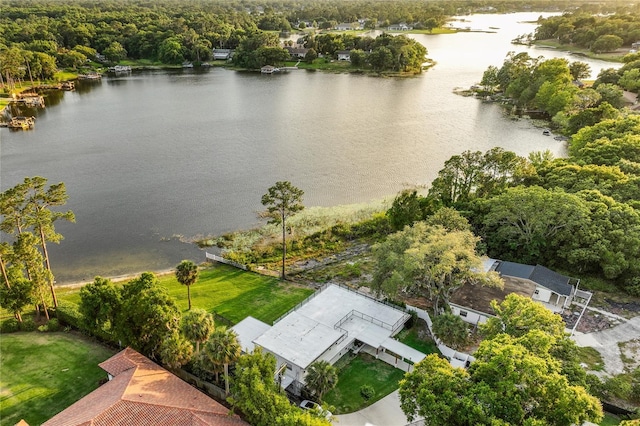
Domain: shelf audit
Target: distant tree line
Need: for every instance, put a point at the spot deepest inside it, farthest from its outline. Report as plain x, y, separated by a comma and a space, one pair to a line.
598, 33
383, 53
553, 87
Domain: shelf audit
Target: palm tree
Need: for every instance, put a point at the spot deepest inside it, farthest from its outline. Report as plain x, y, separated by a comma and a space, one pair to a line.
197, 326
321, 377
187, 274
222, 348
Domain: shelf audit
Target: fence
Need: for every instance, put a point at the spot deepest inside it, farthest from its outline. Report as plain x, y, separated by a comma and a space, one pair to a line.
456, 358
220, 259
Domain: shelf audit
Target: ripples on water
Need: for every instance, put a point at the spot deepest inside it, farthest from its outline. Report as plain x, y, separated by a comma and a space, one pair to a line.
153, 155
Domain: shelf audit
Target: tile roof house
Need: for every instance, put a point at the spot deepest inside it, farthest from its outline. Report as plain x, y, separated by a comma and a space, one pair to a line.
140, 392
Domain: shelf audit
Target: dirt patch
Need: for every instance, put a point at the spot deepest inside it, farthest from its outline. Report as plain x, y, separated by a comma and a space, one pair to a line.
590, 322
630, 354
620, 308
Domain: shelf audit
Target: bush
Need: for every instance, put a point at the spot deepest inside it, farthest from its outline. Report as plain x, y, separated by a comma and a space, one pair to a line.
10, 325
28, 324
411, 321
68, 314
52, 326
367, 392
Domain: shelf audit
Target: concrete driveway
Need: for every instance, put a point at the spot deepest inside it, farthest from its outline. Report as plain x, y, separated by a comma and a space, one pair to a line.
606, 342
385, 412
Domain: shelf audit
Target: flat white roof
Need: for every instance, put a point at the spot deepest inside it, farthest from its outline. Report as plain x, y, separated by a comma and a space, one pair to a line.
334, 303
305, 334
248, 330
298, 339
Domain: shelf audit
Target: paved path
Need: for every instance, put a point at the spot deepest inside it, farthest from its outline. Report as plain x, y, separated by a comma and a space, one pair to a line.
385, 412
606, 342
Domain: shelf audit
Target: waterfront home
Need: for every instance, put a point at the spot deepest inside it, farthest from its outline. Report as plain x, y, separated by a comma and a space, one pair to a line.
330, 323
553, 290
140, 392
344, 55
297, 52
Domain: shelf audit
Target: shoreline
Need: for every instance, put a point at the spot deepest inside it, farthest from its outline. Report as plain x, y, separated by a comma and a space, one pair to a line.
116, 278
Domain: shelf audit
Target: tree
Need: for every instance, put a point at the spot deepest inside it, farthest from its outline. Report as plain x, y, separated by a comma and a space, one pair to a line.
606, 43
408, 207
490, 79
31, 260
42, 218
431, 261
187, 274
261, 399
630, 80
221, 349
17, 297
282, 201
321, 377
115, 52
579, 70
515, 229
513, 381
100, 304
451, 330
175, 350
197, 326
148, 315
517, 315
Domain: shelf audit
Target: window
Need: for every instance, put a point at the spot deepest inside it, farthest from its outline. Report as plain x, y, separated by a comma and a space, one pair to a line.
463, 313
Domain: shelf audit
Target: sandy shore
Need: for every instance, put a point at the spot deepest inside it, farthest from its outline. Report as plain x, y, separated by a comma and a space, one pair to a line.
116, 279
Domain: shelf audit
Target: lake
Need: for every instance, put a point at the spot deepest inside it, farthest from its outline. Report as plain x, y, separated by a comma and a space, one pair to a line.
153, 158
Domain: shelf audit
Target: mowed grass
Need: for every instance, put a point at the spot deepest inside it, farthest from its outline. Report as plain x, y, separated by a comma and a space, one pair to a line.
230, 292
236, 294
361, 370
42, 373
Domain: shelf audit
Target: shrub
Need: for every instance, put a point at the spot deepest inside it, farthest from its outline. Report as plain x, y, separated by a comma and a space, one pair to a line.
28, 324
53, 325
10, 325
367, 392
68, 314
411, 321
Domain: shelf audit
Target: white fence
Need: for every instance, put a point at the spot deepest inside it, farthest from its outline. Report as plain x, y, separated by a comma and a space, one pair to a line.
456, 358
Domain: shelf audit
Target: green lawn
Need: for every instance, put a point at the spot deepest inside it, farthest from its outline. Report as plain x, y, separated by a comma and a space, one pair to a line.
364, 369
232, 293
610, 420
43, 373
411, 338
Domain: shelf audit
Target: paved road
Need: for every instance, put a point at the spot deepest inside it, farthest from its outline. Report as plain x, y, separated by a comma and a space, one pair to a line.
385, 412
606, 342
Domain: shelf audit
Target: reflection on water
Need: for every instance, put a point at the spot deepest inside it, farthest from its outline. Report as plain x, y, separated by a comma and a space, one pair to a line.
153, 156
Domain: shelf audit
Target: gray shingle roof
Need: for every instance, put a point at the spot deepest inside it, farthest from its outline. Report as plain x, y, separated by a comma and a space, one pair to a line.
545, 277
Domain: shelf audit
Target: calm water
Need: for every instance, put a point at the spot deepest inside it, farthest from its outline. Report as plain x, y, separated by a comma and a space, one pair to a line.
152, 156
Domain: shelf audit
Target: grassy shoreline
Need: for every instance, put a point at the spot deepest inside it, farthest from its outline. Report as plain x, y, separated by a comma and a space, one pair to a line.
615, 57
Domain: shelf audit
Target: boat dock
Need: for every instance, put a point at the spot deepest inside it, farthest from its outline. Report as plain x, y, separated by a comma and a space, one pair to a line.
21, 123
32, 100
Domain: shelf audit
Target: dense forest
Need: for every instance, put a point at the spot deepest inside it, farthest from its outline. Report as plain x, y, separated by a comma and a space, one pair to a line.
47, 35
599, 33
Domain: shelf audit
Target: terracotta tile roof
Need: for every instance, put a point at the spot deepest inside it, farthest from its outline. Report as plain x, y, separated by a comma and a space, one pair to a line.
143, 393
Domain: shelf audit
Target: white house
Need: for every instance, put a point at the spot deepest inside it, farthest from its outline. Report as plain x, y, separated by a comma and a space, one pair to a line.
555, 291
332, 322
343, 55
402, 26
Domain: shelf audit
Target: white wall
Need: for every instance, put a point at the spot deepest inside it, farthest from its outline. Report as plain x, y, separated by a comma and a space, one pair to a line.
472, 317
542, 294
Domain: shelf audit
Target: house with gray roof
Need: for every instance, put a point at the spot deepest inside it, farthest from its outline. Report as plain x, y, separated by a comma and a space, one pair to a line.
325, 327
554, 290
